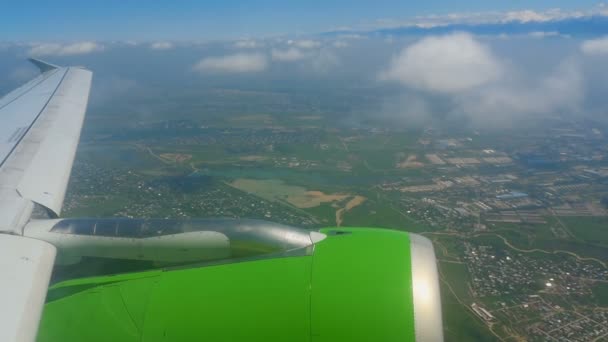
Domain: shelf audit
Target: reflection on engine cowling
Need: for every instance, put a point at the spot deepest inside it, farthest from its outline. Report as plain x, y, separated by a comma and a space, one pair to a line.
157, 243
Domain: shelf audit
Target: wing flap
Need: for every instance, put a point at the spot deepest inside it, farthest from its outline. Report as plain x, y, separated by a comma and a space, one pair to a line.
25, 265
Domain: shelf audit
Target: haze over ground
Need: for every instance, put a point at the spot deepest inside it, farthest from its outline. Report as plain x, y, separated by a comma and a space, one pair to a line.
490, 69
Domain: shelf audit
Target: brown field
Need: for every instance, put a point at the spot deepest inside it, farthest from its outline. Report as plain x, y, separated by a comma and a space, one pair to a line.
310, 117
354, 202
253, 158
277, 190
410, 162
312, 199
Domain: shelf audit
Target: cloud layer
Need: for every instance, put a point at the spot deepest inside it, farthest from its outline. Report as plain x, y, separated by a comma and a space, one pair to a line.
55, 49
448, 64
508, 101
236, 63
304, 44
161, 46
475, 86
597, 46
288, 55
492, 17
246, 44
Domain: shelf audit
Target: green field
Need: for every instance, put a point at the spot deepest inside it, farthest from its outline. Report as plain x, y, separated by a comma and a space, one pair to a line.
461, 324
591, 230
600, 293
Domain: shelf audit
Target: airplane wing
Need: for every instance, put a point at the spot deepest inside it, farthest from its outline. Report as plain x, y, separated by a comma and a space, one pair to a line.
40, 125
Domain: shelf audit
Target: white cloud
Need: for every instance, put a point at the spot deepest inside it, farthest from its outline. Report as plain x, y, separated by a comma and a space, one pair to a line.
510, 101
491, 17
237, 63
288, 55
55, 49
597, 46
161, 46
459, 71
526, 16
304, 44
552, 14
317, 60
351, 36
544, 34
448, 64
340, 44
246, 44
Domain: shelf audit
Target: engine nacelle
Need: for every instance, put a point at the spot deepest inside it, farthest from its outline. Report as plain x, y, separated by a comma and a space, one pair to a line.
168, 241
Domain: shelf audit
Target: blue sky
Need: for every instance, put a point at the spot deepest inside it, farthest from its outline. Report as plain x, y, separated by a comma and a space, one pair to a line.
175, 20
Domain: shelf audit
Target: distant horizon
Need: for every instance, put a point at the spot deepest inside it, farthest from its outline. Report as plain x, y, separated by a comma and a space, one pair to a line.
67, 21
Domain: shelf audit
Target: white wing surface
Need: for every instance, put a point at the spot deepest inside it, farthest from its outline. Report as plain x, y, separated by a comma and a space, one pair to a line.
25, 265
40, 125
39, 132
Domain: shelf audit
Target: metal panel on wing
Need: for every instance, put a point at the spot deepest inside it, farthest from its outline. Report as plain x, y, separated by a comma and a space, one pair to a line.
20, 108
56, 134
25, 265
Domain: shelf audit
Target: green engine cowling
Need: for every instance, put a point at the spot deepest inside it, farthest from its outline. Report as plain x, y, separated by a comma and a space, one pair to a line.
354, 284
